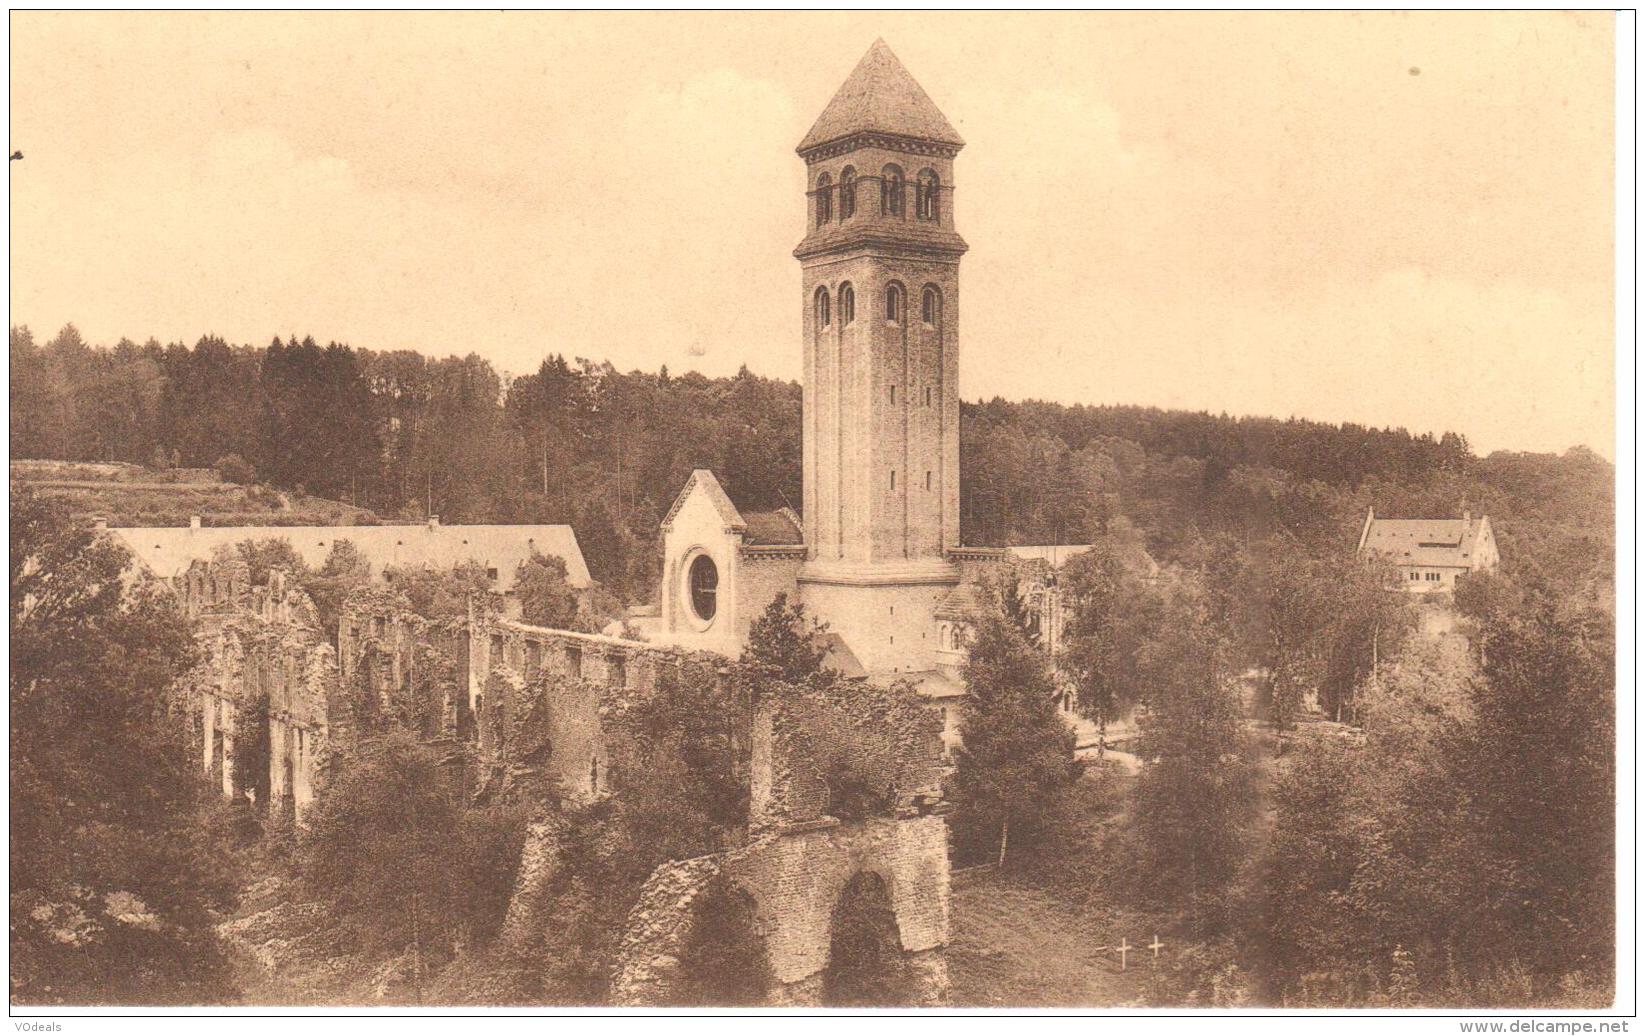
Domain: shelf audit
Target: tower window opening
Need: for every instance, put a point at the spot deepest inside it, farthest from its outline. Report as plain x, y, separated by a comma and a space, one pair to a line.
848, 193
825, 199
848, 304
893, 303
824, 314
893, 395
928, 395
926, 193
891, 192
928, 480
930, 306
893, 481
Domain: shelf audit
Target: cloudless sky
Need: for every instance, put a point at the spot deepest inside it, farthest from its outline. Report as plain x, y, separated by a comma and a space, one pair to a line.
1396, 219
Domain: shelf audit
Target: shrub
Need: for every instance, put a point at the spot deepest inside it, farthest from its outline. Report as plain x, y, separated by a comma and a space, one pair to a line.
235, 468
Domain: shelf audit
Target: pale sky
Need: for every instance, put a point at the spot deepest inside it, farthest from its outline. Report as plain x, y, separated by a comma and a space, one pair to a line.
1396, 219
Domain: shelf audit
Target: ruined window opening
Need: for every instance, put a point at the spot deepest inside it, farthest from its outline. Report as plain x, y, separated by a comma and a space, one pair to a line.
705, 586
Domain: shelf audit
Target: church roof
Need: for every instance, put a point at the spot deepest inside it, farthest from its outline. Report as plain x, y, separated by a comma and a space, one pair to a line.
772, 529
702, 477
880, 97
1440, 542
927, 683
964, 603
779, 528
841, 658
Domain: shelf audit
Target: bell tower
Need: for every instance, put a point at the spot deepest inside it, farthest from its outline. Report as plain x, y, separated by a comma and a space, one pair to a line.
880, 271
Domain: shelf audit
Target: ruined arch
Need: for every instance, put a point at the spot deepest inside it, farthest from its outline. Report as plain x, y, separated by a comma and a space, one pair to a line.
866, 965
723, 960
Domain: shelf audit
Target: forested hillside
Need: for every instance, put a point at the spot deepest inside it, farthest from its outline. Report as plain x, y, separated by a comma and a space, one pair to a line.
404, 434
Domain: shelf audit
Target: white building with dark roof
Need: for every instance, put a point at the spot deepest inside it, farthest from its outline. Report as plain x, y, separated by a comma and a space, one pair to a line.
168, 551
1431, 552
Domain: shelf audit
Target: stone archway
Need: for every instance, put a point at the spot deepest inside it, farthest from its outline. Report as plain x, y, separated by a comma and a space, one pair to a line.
723, 961
866, 964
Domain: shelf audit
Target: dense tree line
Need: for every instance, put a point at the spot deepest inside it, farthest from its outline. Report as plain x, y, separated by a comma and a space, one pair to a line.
1465, 854
578, 441
118, 855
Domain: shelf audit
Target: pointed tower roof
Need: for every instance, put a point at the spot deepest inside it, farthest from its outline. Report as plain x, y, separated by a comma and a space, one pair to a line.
880, 97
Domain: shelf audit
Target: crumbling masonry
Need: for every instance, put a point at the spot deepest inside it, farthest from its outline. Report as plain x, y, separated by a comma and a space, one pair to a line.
844, 780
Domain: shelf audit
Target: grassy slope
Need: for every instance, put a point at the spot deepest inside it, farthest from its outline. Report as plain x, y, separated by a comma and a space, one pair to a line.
131, 497
1018, 946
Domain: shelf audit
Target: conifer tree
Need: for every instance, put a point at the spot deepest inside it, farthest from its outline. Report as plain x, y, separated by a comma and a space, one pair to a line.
1017, 753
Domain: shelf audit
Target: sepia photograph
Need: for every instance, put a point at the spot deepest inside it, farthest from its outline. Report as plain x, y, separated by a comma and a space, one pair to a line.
796, 512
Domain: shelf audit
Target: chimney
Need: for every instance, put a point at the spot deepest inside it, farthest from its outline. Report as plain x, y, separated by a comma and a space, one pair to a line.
194, 521
433, 521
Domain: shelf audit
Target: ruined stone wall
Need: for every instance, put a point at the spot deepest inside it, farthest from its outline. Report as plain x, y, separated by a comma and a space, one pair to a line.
268, 671
398, 669
802, 857
807, 742
796, 878
548, 701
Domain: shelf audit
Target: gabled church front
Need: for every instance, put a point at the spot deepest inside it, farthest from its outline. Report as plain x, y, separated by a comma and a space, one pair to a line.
877, 555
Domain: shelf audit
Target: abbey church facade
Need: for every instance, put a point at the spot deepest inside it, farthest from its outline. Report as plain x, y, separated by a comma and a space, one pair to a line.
877, 554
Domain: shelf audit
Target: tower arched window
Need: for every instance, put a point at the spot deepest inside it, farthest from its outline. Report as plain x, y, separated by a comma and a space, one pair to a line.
825, 199
891, 192
927, 195
848, 304
893, 302
848, 192
931, 305
825, 315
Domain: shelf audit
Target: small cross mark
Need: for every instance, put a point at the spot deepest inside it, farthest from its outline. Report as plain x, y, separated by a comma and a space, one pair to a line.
1124, 947
1156, 945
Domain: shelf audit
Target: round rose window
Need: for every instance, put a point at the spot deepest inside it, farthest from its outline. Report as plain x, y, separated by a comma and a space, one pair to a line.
705, 582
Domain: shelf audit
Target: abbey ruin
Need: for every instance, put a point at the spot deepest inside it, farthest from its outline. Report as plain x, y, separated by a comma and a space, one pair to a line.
842, 778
